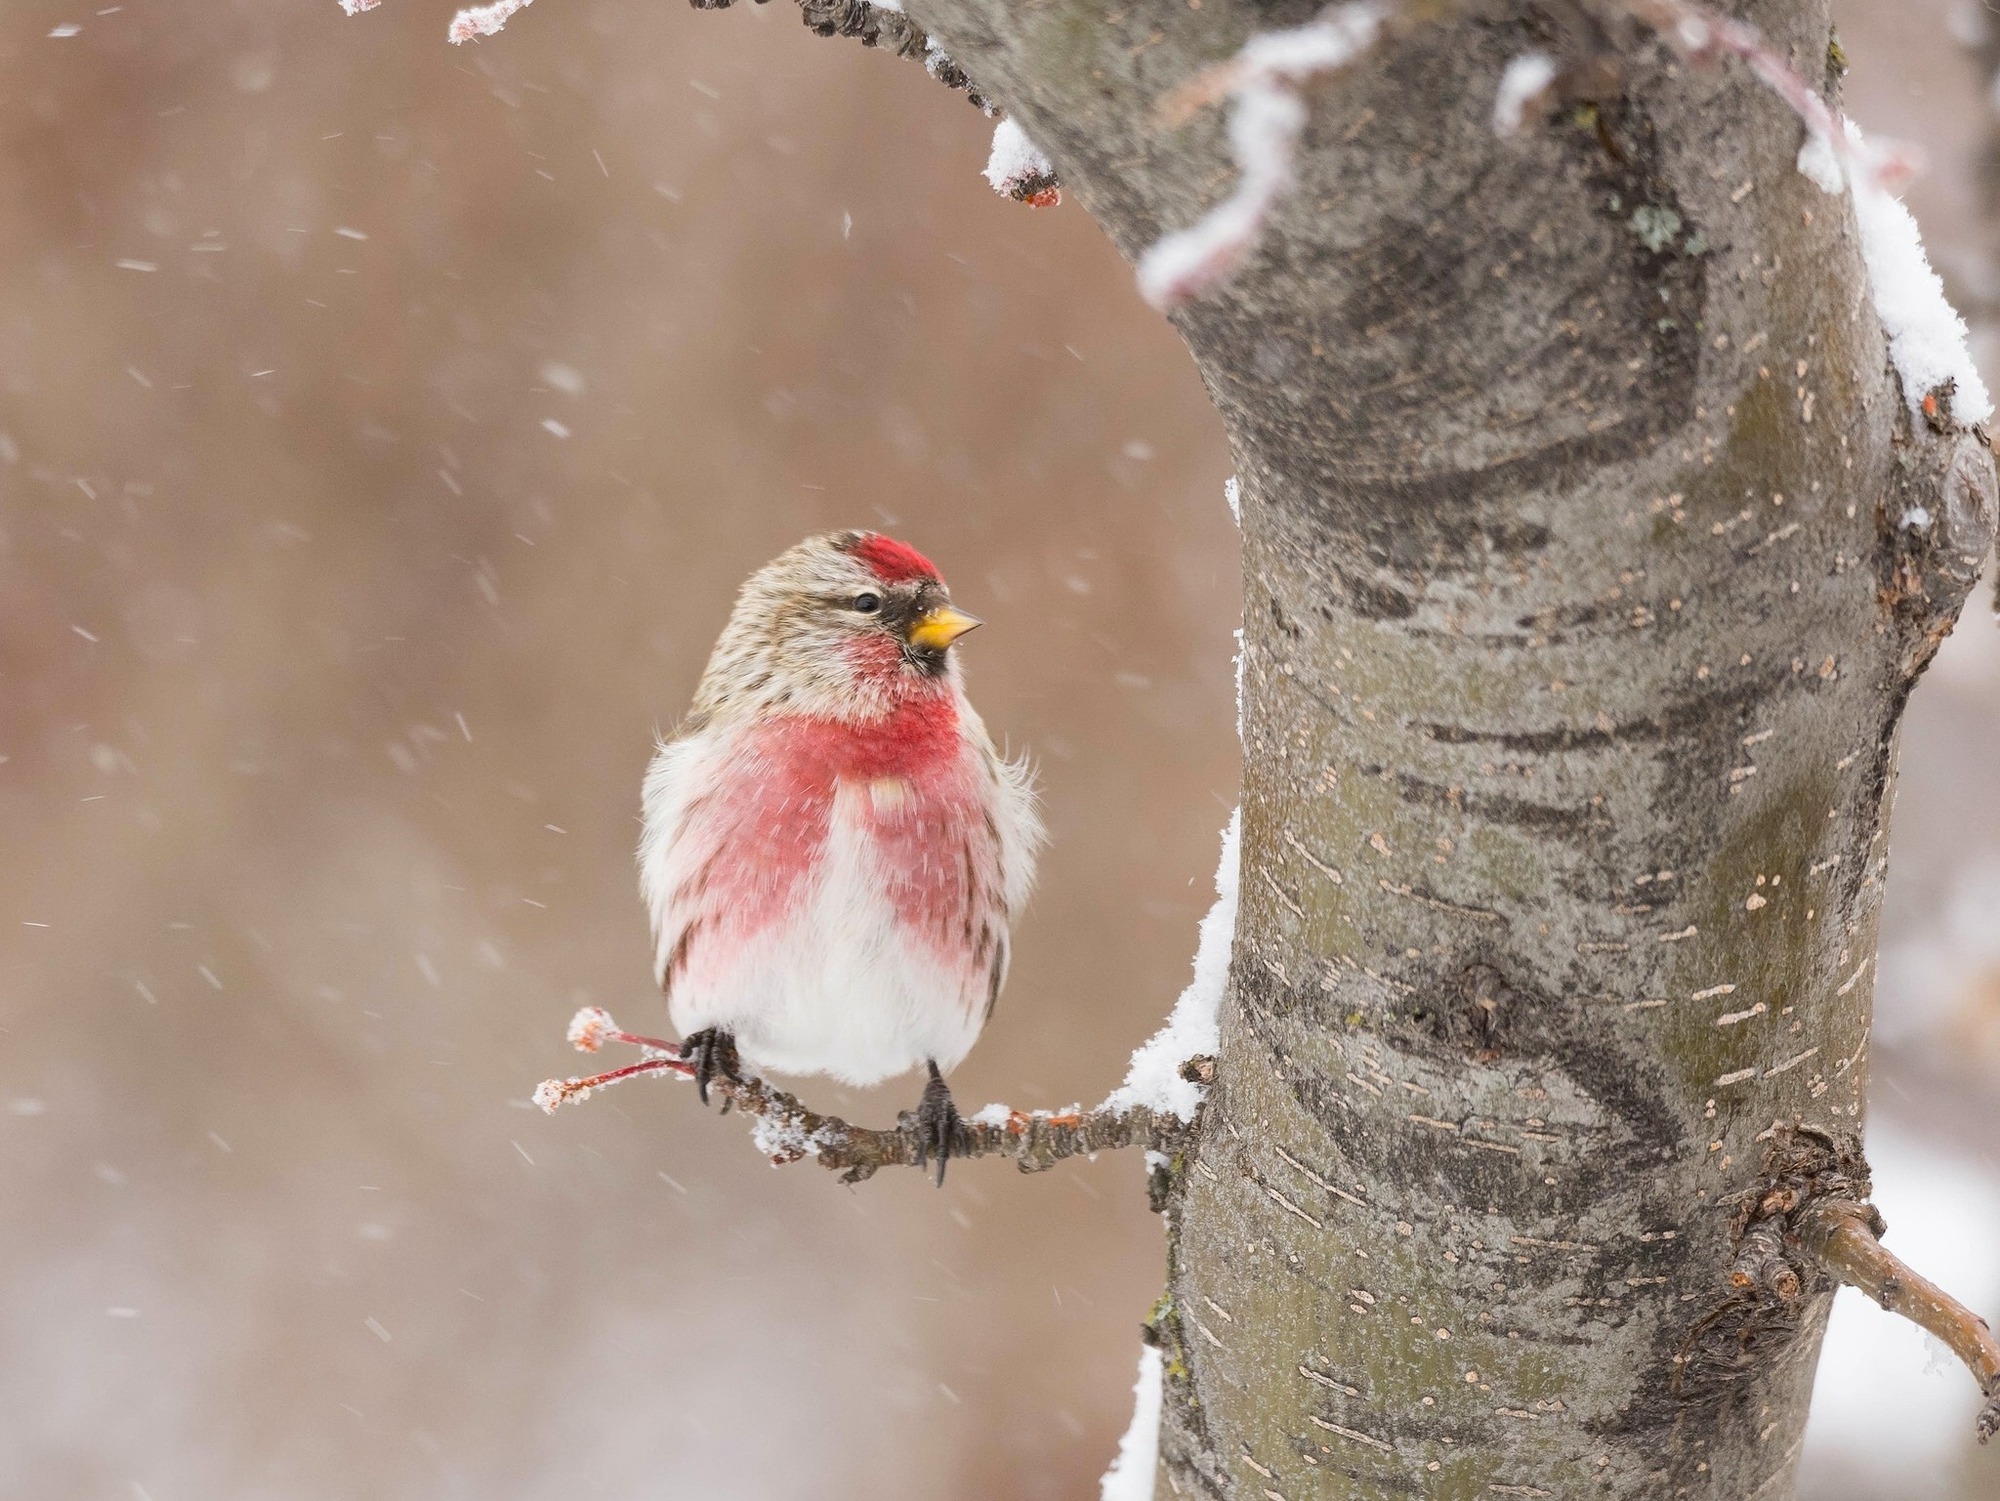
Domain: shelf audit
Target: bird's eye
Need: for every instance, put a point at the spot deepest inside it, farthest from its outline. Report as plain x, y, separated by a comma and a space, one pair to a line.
867, 604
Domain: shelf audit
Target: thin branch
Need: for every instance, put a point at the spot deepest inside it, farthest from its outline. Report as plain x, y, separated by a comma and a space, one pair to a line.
1265, 85
786, 1129
883, 26
1842, 1235
876, 25
1705, 37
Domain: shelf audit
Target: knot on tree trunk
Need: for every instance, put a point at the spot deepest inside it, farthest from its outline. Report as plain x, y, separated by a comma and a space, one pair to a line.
1770, 1278
1805, 1168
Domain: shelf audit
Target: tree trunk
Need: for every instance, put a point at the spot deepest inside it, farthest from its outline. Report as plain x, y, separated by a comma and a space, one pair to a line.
1582, 597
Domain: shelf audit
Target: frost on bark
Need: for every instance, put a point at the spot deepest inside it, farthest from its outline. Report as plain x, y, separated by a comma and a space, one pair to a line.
1591, 551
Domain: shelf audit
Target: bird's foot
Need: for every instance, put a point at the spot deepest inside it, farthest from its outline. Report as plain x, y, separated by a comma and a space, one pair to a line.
713, 1052
938, 1124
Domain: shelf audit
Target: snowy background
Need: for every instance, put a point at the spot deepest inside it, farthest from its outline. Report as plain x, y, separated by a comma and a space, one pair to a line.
384, 428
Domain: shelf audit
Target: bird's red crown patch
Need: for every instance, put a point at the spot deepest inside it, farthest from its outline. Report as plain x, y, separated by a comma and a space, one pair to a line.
894, 562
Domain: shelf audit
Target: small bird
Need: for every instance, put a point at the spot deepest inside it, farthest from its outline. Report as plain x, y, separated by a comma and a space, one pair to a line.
834, 854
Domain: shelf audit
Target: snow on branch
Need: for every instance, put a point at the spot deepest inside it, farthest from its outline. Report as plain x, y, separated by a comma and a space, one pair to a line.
483, 20
787, 1130
1927, 338
1017, 168
1265, 85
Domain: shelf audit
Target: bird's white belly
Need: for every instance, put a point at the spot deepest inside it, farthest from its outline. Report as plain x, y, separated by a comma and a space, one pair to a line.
842, 987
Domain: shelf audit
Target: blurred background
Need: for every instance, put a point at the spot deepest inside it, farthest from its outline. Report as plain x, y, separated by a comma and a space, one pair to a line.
384, 428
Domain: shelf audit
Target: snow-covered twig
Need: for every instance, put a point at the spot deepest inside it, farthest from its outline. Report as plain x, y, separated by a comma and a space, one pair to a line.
787, 1130
1017, 168
483, 20
1704, 36
1265, 84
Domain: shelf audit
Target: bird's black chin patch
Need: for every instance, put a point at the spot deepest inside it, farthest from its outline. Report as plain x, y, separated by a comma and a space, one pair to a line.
928, 661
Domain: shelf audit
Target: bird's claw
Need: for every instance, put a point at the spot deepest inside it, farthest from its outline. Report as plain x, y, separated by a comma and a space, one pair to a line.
938, 1124
713, 1052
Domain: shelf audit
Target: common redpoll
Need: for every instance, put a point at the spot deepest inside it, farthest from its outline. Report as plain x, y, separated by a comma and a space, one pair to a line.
834, 854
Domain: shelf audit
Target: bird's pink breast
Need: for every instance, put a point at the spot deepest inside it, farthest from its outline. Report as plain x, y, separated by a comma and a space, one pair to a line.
916, 792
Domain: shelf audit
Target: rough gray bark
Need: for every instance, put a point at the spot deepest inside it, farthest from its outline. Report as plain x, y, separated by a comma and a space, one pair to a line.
1579, 617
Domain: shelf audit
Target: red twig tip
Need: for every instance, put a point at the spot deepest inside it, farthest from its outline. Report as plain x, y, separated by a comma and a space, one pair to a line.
589, 1027
593, 1026
551, 1093
589, 1030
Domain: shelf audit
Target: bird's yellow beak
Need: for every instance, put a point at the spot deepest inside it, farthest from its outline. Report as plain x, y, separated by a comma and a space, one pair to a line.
937, 629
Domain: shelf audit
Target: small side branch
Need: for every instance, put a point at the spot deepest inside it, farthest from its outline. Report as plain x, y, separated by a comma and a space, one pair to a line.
786, 1129
1810, 1220
1842, 1235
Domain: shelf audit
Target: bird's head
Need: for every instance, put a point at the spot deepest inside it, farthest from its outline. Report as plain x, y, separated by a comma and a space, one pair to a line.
844, 624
